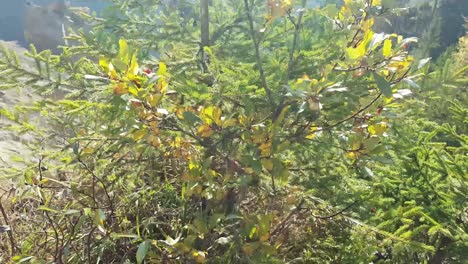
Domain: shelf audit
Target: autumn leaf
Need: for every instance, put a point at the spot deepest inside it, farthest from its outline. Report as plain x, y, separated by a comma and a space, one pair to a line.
120, 88
205, 130
139, 134
211, 114
265, 149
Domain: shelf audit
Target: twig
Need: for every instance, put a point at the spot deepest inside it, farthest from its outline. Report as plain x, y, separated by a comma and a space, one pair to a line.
10, 231
57, 254
89, 244
351, 116
95, 177
337, 213
291, 62
297, 26
257, 53
281, 225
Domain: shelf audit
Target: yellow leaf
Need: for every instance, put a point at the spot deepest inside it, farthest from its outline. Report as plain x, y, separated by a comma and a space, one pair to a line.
104, 63
377, 129
161, 86
133, 69
162, 68
367, 38
155, 141
259, 137
356, 144
112, 73
205, 130
154, 126
312, 134
249, 170
399, 39
154, 99
356, 53
387, 48
211, 114
229, 122
264, 237
367, 24
265, 149
353, 154
88, 150
267, 164
376, 2
120, 88
124, 54
139, 134
361, 49
304, 77
133, 90
244, 120
199, 256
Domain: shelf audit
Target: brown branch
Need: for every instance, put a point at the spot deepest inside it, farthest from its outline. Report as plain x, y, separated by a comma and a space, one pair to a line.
297, 26
282, 224
351, 116
337, 213
205, 32
10, 231
106, 192
257, 53
58, 253
205, 23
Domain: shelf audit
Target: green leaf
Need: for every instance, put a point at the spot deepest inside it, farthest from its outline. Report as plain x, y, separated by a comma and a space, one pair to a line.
45, 208
191, 118
120, 235
141, 252
388, 3
119, 64
383, 85
19, 259
99, 218
330, 10
71, 212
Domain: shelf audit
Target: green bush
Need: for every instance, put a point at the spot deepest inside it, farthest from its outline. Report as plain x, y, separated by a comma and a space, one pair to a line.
255, 134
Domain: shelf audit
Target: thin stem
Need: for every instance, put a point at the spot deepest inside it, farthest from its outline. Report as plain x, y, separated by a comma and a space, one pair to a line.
257, 53
282, 224
297, 26
58, 252
106, 192
10, 232
337, 213
351, 116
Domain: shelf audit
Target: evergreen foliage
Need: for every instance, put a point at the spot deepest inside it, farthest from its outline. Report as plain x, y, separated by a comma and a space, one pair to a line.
284, 134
